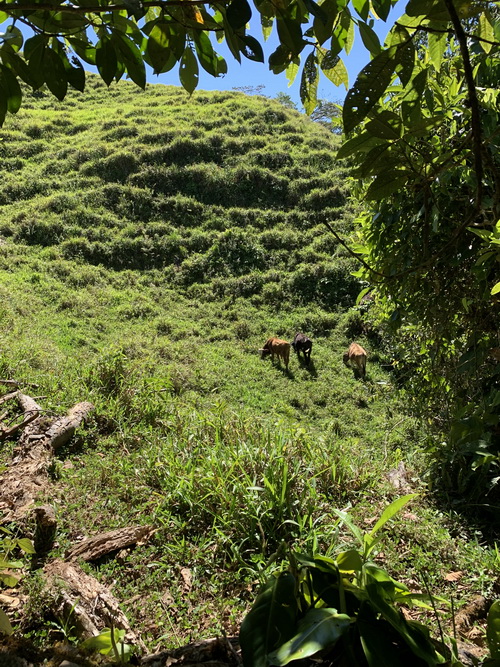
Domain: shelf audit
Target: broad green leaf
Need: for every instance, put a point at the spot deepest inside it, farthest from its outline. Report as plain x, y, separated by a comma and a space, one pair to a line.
10, 89
350, 561
370, 85
233, 42
271, 620
13, 37
252, 49
377, 160
382, 8
377, 643
334, 69
362, 7
290, 35
103, 644
59, 23
493, 630
350, 34
437, 45
319, 629
431, 9
391, 511
495, 289
292, 71
309, 83
485, 30
238, 14
106, 60
9, 580
323, 26
387, 183
83, 50
411, 104
34, 44
131, 57
157, 49
26, 545
280, 59
400, 38
188, 70
363, 143
5, 626
385, 125
389, 585
369, 38
205, 52
415, 636
75, 73
55, 74
267, 27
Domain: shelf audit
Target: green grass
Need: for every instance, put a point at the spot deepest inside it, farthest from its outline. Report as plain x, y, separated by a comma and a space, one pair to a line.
149, 244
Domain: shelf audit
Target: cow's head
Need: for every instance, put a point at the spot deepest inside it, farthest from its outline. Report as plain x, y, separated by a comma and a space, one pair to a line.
345, 358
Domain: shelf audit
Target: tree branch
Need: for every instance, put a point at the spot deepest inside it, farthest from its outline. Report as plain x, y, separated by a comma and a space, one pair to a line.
474, 104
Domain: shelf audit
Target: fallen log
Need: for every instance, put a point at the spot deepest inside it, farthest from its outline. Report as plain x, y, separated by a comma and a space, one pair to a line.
26, 475
84, 603
100, 545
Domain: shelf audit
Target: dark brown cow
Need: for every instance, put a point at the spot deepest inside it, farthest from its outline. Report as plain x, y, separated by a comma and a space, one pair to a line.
276, 346
355, 357
301, 343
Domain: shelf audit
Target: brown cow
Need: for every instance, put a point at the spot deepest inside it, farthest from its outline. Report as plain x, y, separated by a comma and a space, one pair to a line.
355, 357
276, 346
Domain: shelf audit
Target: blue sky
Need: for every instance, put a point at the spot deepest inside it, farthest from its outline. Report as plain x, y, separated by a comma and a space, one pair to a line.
254, 74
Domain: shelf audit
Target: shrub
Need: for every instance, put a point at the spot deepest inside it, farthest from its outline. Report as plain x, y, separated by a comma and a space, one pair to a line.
116, 167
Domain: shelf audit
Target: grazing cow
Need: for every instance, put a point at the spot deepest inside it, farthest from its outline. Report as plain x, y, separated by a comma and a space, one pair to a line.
355, 357
302, 343
276, 346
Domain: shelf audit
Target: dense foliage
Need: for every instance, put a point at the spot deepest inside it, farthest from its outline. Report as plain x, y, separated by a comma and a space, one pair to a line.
427, 157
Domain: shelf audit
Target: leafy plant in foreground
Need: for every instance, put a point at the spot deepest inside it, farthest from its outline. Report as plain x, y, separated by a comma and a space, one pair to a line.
9, 544
345, 603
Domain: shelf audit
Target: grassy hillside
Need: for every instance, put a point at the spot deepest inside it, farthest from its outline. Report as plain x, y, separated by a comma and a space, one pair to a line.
149, 244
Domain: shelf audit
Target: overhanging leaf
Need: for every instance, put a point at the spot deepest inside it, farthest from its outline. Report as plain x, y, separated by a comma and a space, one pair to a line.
369, 38
11, 90
319, 629
105, 59
387, 183
188, 70
370, 85
309, 83
238, 14
55, 74
334, 69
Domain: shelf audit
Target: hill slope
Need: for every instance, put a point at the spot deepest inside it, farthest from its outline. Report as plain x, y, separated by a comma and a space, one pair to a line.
149, 244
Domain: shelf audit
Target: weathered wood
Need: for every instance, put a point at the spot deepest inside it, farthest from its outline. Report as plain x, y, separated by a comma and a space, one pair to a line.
26, 474
100, 545
63, 429
84, 603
